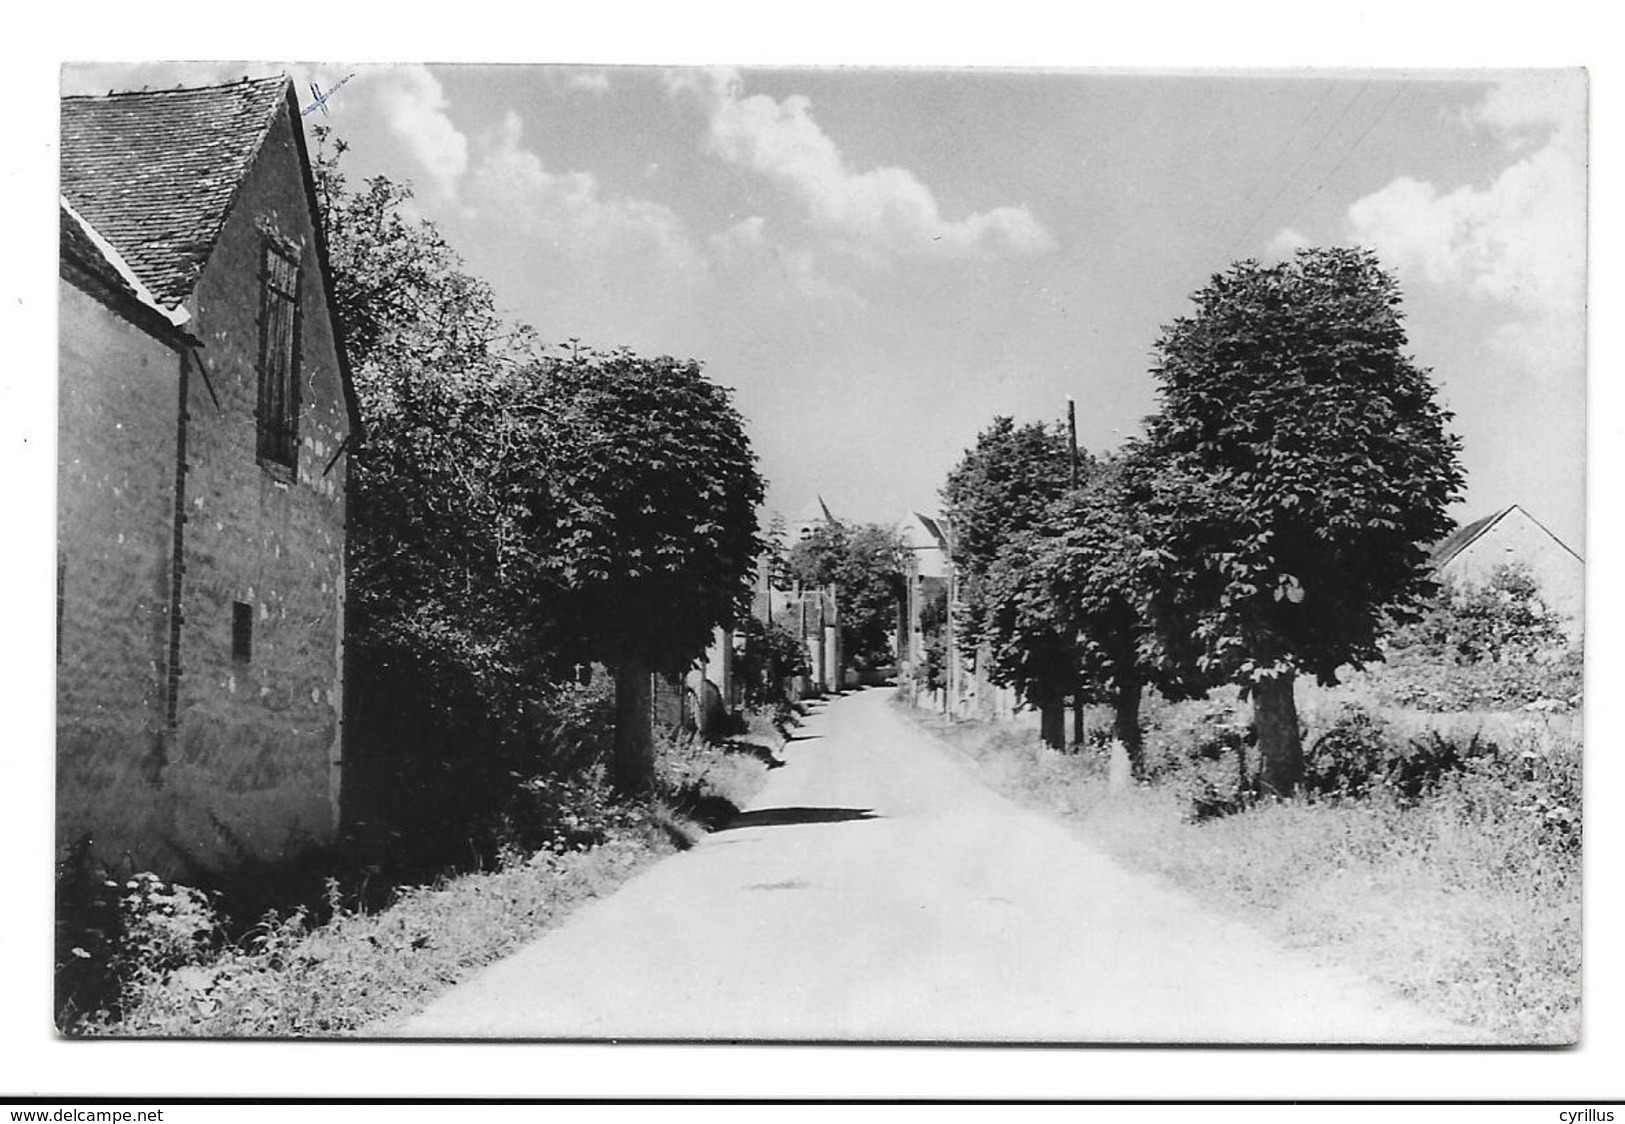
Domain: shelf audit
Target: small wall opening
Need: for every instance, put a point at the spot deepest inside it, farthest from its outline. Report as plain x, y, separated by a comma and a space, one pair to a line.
242, 631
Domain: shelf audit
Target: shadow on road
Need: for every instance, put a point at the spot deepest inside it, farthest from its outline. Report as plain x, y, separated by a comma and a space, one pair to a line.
780, 817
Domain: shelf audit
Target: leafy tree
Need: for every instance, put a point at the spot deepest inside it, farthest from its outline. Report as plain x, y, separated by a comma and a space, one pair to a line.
1095, 562
1301, 458
513, 513
776, 555
864, 561
1002, 486
770, 656
1027, 630
440, 571
934, 632
643, 521
995, 498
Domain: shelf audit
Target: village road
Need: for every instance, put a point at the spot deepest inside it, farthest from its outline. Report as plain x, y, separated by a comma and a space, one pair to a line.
877, 890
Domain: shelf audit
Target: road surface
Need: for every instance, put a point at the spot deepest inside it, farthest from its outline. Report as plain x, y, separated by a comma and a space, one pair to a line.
875, 890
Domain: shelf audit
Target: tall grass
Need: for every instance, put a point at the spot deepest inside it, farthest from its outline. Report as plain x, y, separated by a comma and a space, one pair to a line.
1466, 899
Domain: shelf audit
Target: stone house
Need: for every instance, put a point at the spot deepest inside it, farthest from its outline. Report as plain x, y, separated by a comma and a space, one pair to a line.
205, 414
1470, 555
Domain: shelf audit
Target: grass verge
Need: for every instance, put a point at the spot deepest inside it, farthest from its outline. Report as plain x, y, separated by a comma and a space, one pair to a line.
1459, 902
359, 970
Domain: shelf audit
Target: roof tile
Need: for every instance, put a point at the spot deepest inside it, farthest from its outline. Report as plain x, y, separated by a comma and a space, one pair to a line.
155, 171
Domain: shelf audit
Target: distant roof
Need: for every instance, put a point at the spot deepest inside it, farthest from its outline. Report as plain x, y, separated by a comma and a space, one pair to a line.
155, 171
1464, 536
934, 529
816, 511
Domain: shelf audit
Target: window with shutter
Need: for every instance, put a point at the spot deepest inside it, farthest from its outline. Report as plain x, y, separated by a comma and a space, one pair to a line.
278, 413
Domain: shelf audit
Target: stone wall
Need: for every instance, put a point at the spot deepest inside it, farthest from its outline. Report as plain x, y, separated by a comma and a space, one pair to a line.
257, 766
196, 754
119, 401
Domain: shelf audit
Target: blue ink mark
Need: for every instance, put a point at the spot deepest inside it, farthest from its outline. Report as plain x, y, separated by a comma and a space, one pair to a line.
321, 98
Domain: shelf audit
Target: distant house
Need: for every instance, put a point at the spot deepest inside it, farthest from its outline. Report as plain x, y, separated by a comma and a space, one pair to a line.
813, 516
205, 415
927, 568
1471, 555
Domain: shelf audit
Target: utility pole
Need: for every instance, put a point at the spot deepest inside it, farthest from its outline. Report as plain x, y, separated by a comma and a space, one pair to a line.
1072, 436
1078, 731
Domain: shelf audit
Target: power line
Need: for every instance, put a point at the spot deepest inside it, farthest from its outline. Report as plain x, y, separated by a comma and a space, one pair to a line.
1292, 175
1286, 146
1375, 121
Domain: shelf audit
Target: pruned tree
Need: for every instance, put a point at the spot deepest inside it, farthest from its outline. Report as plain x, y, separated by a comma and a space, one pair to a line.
514, 514
1097, 561
643, 521
1299, 461
1002, 486
1028, 632
995, 499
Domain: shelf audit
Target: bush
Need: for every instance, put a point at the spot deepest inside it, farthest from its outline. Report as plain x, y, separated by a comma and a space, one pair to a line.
1360, 753
115, 938
88, 934
1501, 621
570, 726
168, 960
1490, 647
1527, 795
1411, 680
1205, 730
769, 659
1354, 754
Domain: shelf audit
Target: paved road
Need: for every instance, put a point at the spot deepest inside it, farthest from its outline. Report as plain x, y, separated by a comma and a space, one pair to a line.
876, 890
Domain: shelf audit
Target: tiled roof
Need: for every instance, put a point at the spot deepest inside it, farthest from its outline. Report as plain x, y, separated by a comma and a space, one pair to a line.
155, 172
90, 252
1462, 537
79, 247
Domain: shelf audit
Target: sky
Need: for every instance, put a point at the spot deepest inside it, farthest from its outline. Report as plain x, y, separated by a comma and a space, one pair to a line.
1139, 211
879, 261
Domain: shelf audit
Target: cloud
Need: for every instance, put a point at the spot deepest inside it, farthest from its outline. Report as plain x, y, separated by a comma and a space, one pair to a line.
414, 106
886, 208
747, 232
1536, 101
592, 81
749, 255
495, 177
1286, 242
568, 209
1519, 241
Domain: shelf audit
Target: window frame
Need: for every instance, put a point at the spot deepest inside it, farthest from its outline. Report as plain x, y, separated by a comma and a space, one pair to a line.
242, 632
276, 412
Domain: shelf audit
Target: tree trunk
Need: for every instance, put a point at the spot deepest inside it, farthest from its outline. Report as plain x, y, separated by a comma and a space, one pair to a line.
1280, 745
633, 768
1126, 724
1078, 730
1052, 724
